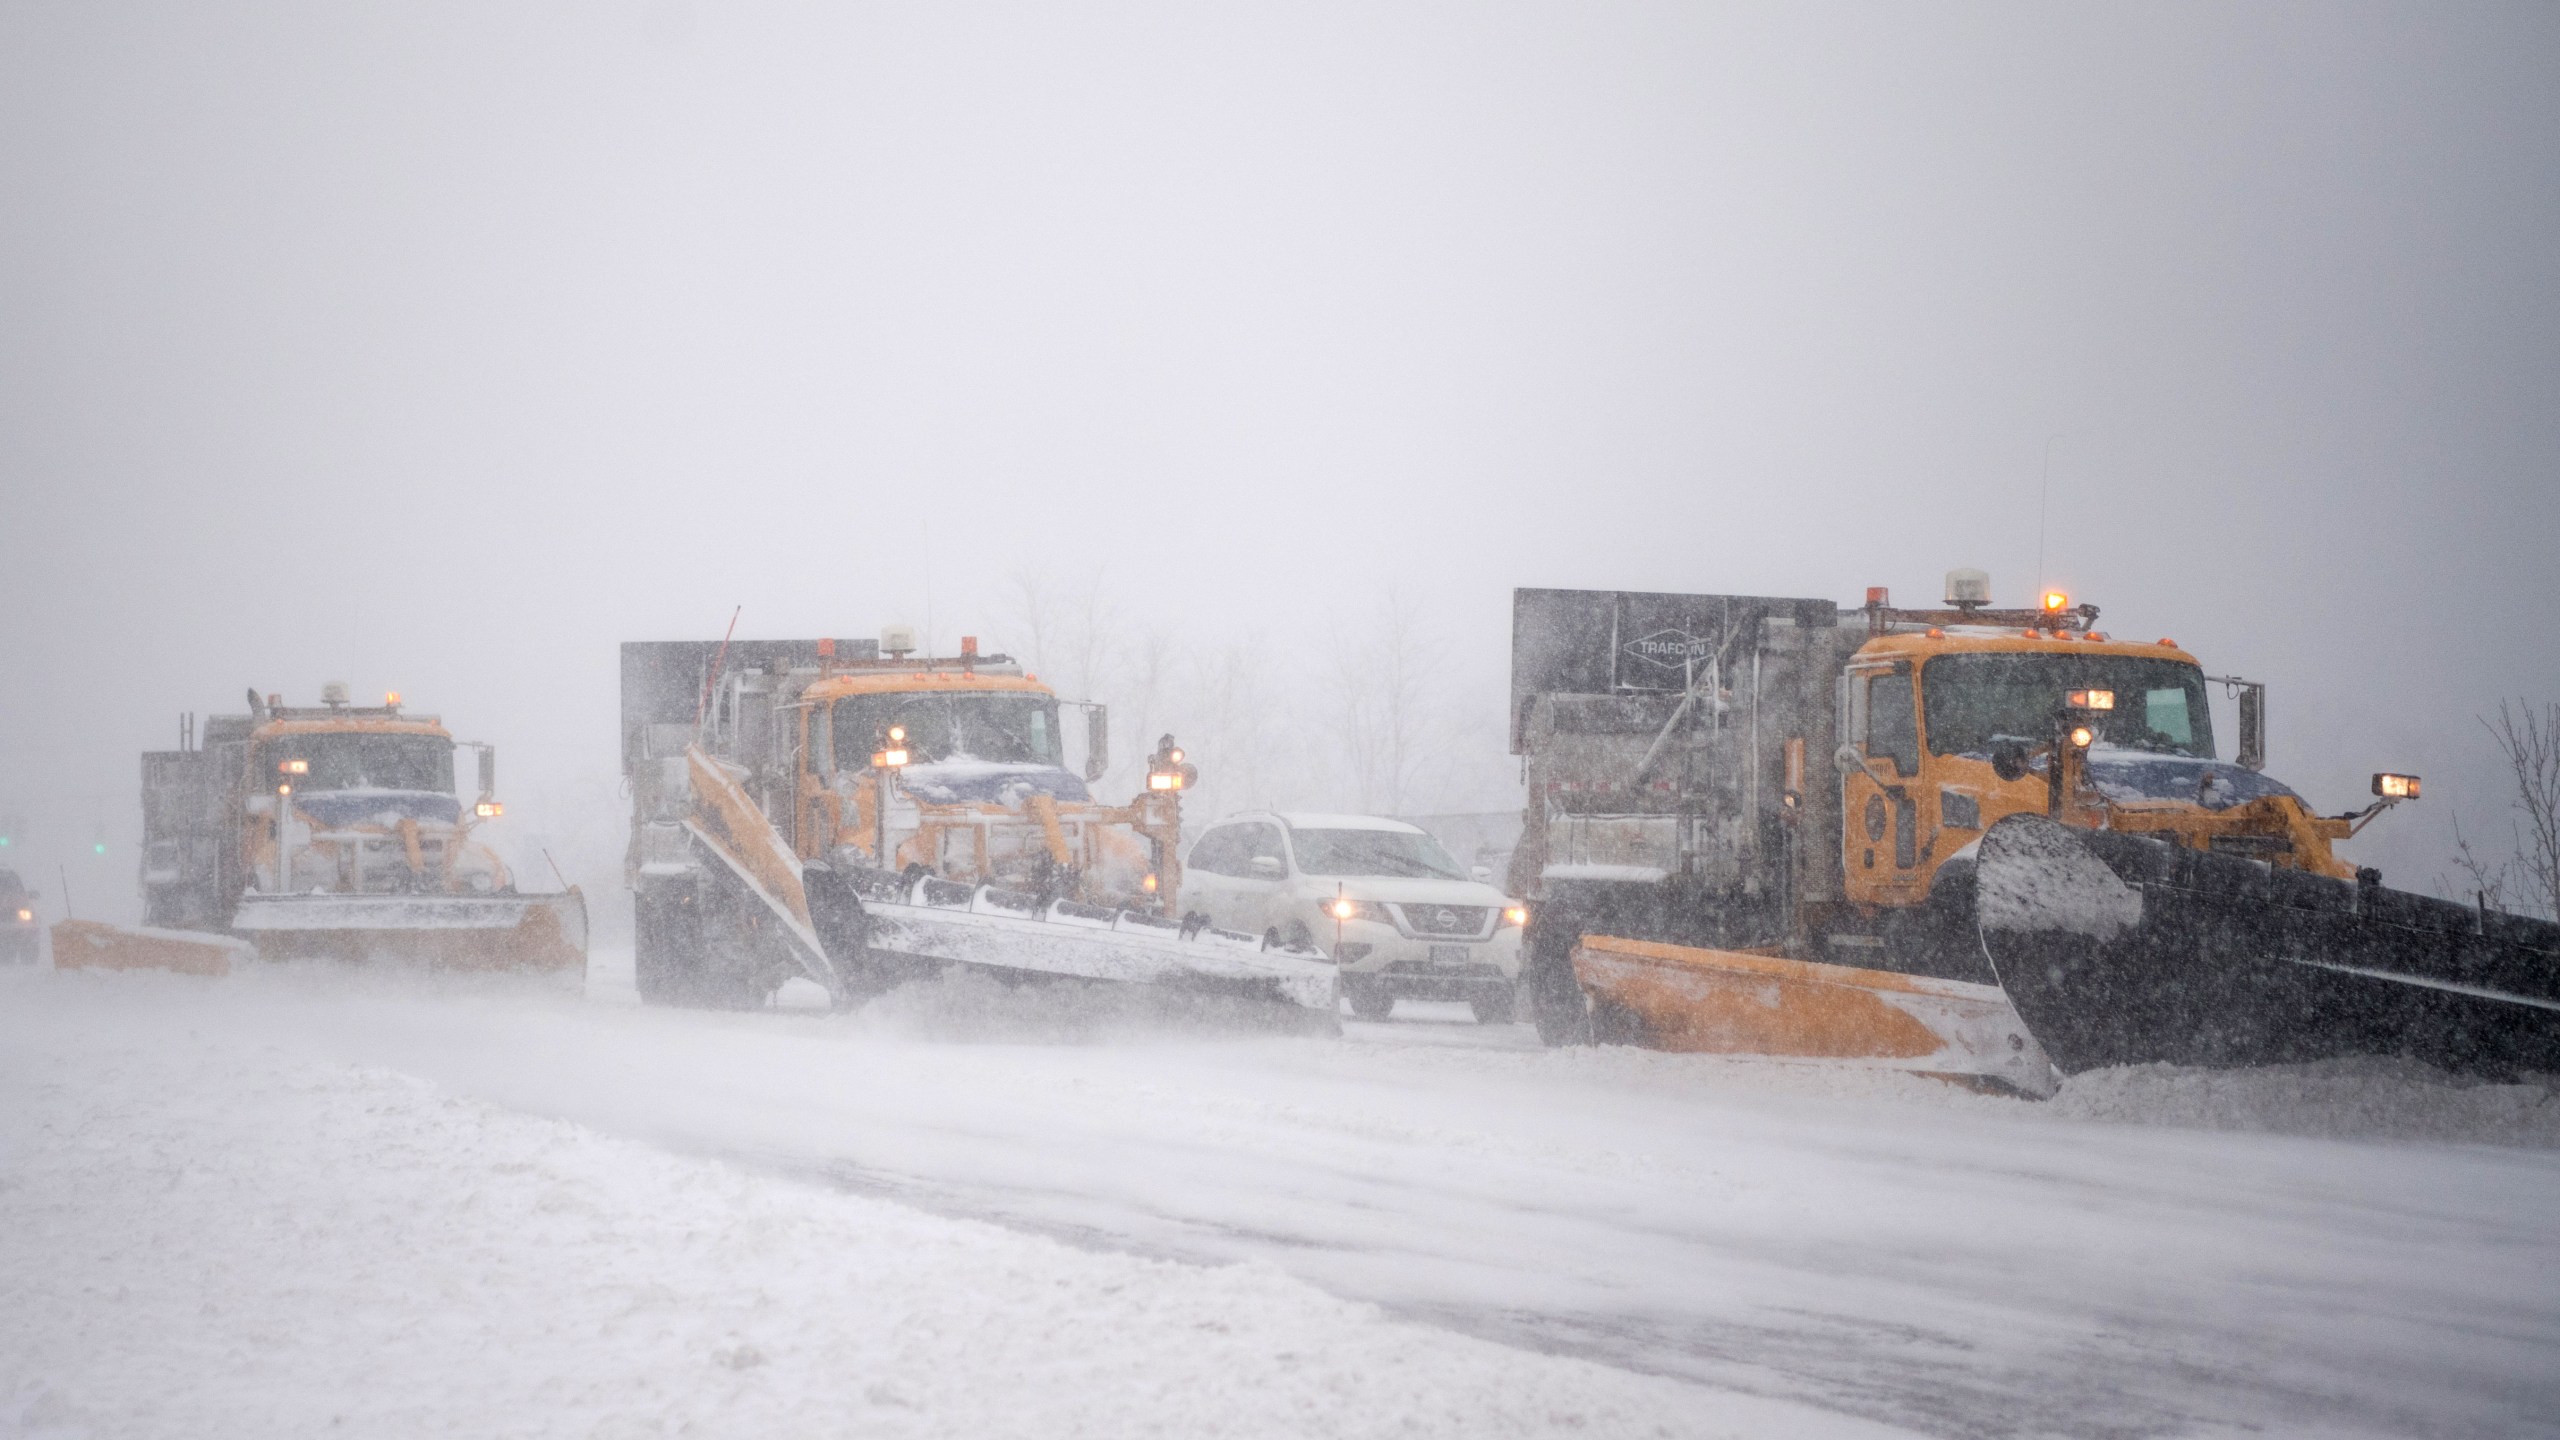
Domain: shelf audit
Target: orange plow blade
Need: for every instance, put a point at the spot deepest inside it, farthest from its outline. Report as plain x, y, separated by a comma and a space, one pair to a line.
91, 945
1726, 1002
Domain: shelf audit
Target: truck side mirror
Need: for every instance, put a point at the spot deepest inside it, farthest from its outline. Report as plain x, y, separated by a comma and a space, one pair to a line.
1097, 741
488, 770
2009, 757
1268, 867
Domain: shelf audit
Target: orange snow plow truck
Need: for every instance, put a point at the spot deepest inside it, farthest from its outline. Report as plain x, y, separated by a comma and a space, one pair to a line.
1995, 845
328, 831
860, 816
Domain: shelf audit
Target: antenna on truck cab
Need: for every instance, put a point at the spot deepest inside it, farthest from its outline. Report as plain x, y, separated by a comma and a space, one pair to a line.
719, 662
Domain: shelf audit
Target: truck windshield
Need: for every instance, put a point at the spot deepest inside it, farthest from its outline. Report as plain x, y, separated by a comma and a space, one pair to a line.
1006, 727
1373, 852
354, 761
1971, 699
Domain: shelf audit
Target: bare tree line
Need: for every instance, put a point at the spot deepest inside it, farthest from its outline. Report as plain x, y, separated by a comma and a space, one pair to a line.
2529, 879
1375, 720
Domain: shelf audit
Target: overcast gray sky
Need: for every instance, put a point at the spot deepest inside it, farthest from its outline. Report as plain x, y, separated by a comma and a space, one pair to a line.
444, 346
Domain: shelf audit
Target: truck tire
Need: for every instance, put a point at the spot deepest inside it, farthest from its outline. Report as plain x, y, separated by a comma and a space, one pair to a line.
1612, 1024
1555, 998
844, 928
666, 929
1369, 1002
685, 950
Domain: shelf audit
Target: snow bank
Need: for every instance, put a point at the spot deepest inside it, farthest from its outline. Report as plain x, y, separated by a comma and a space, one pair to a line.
971, 1005
206, 1235
2342, 1099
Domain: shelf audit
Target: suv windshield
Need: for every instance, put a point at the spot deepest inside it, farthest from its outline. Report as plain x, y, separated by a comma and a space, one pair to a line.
1970, 699
355, 761
1373, 852
1009, 727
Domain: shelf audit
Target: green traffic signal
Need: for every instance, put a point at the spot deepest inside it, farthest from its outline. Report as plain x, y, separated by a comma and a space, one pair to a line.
100, 847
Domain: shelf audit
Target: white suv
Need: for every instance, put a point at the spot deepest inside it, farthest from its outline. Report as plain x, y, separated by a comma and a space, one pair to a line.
1380, 896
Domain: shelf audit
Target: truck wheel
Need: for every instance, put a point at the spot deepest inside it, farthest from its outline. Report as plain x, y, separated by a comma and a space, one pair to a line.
1546, 973
685, 950
1369, 1002
666, 934
844, 927
1613, 1024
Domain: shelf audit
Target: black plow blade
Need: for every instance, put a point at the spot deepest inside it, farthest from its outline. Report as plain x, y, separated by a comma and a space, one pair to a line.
2118, 949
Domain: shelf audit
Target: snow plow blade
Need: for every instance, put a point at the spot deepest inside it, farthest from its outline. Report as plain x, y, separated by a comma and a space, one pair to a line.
910, 928
91, 945
2118, 949
539, 933
1727, 1002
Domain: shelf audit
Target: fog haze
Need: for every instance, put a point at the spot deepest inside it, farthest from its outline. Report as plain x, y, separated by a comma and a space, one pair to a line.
444, 348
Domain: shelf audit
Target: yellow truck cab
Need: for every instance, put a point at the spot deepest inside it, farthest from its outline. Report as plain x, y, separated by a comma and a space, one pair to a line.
368, 796
338, 830
1952, 727
981, 790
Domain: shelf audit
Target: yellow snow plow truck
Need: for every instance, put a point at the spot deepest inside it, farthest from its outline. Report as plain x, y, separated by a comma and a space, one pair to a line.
1999, 845
855, 814
326, 831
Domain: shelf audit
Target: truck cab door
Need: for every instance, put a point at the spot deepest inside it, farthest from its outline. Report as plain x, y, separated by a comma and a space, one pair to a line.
1880, 840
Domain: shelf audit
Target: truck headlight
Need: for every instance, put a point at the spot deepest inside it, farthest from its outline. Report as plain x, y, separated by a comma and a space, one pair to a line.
1346, 909
1515, 915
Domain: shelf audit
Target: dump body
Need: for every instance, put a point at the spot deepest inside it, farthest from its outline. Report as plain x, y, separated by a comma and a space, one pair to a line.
1669, 745
337, 831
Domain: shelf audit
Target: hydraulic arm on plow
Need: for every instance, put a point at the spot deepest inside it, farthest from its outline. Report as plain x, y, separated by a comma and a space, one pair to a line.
820, 809
1978, 842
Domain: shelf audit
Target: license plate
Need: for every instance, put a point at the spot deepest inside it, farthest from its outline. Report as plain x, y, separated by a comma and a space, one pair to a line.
1451, 955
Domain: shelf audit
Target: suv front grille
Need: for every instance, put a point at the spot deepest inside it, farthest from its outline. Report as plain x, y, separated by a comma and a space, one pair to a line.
1466, 920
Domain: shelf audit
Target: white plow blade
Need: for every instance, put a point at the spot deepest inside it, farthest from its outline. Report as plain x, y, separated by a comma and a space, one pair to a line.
1091, 943
540, 932
276, 913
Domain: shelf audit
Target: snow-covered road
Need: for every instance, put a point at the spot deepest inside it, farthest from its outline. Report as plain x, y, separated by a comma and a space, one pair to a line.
1876, 1246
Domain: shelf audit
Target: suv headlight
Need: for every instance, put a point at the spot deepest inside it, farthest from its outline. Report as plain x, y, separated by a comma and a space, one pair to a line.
1342, 909
1515, 914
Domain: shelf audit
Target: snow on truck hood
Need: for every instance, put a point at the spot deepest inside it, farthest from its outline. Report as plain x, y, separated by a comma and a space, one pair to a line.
988, 782
2123, 774
2148, 775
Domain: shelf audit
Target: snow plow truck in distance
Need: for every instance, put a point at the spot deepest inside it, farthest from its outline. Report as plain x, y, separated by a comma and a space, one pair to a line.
856, 814
1992, 844
332, 831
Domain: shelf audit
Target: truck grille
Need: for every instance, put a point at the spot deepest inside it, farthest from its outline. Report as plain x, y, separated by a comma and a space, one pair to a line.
1445, 919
